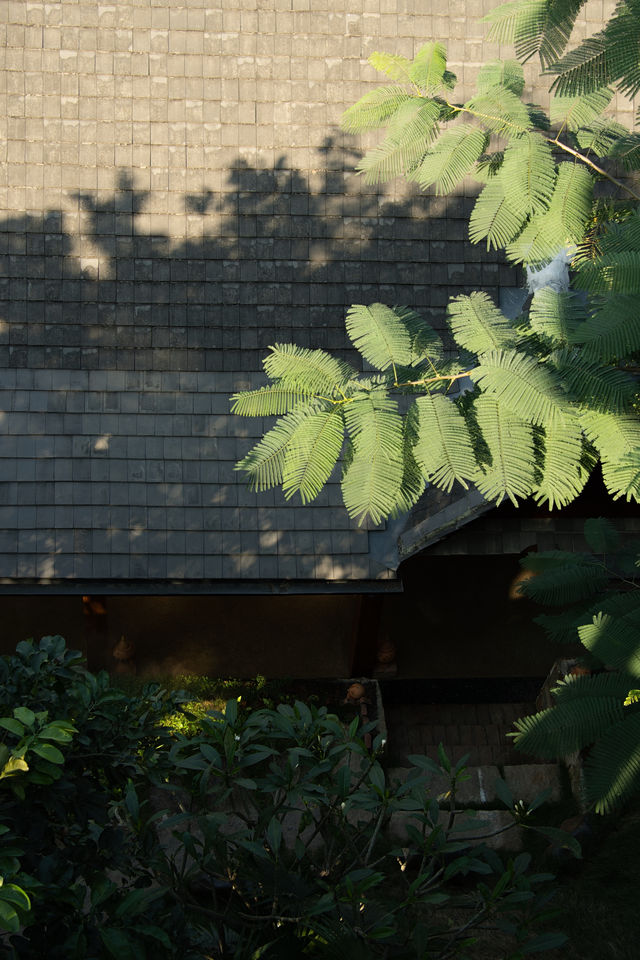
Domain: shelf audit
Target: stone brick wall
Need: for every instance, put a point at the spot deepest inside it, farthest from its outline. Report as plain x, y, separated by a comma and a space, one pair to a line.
175, 195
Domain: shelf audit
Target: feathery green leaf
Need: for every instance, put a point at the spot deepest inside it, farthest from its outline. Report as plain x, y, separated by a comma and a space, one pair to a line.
567, 727
413, 482
627, 150
535, 26
373, 478
563, 577
622, 476
411, 131
425, 342
520, 383
493, 218
380, 335
312, 452
395, 67
478, 325
277, 398
428, 68
528, 174
614, 640
563, 223
612, 769
590, 384
563, 472
601, 535
510, 443
501, 73
443, 447
451, 158
374, 109
613, 329
608, 684
312, 370
501, 111
617, 438
557, 316
600, 137
265, 462
579, 111
611, 273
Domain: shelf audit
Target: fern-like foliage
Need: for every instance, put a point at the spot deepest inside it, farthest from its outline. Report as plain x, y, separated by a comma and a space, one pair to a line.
452, 158
312, 370
413, 480
373, 479
617, 438
264, 464
312, 452
597, 387
567, 727
573, 113
529, 174
427, 71
477, 324
612, 770
275, 399
443, 448
501, 73
493, 218
611, 273
564, 471
544, 27
601, 535
522, 385
558, 317
375, 109
555, 391
509, 440
612, 330
563, 627
562, 223
614, 640
562, 577
610, 56
412, 128
380, 335
600, 711
540, 27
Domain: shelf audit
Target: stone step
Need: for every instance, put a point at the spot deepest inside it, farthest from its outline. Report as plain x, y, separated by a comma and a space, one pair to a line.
478, 729
525, 781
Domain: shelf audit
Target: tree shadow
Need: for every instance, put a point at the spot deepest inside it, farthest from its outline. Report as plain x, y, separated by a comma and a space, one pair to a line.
276, 257
121, 343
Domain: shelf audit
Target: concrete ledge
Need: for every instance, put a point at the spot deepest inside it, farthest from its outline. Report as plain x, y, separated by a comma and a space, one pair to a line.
527, 780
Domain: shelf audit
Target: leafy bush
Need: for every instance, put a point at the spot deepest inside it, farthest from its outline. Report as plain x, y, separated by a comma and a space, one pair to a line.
272, 833
202, 694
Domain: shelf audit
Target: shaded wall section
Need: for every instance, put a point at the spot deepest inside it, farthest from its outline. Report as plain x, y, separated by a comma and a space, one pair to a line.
217, 636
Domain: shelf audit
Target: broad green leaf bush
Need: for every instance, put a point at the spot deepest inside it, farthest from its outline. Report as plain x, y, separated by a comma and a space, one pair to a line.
265, 834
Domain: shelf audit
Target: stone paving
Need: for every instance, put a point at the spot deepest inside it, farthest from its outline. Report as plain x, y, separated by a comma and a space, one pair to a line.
479, 729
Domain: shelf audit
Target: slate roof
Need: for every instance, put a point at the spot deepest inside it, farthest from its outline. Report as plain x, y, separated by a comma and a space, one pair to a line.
175, 197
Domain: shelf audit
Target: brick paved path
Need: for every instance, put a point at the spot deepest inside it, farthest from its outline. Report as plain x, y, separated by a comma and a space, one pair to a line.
478, 729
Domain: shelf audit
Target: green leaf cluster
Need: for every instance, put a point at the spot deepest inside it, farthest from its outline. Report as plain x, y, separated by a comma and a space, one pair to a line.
265, 834
553, 393
599, 710
547, 404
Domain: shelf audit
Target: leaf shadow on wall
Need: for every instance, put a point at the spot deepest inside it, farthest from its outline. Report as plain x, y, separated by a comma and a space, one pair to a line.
274, 257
